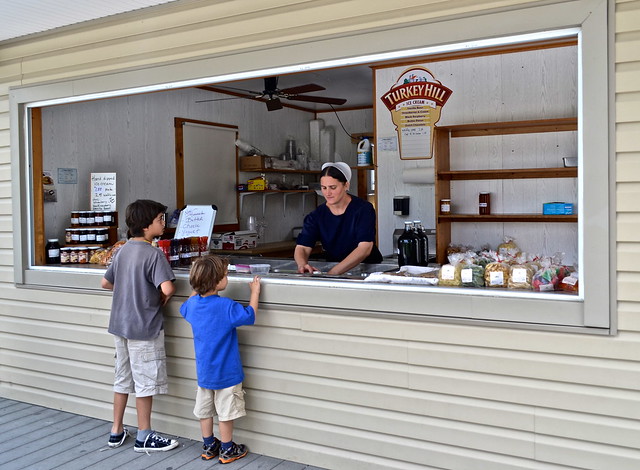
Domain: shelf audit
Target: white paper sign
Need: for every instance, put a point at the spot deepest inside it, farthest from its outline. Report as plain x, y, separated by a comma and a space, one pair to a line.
196, 221
103, 191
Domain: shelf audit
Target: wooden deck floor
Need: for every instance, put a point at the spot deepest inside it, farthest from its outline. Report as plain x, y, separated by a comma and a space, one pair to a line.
38, 438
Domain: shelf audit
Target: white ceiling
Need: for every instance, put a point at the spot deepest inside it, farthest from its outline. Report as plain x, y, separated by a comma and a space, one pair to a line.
20, 18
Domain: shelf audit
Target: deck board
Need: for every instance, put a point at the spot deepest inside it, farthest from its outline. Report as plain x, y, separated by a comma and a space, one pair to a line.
35, 437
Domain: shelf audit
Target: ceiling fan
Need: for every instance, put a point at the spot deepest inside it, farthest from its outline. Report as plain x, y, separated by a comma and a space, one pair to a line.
272, 95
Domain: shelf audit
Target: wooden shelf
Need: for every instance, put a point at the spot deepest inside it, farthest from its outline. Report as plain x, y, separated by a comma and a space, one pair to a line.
512, 173
444, 174
284, 171
261, 191
507, 218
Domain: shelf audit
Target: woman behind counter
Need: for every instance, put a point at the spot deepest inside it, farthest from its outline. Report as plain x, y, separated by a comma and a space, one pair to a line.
345, 224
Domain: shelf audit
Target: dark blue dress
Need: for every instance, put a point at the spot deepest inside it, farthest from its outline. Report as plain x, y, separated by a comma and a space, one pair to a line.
340, 234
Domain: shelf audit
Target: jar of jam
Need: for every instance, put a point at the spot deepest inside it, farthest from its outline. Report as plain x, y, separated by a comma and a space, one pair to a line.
65, 255
102, 235
83, 255
75, 218
75, 236
91, 235
109, 218
83, 236
82, 218
52, 251
73, 255
91, 218
484, 203
445, 206
68, 237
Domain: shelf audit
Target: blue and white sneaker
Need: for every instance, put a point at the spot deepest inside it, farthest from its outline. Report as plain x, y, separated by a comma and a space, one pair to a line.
155, 443
116, 440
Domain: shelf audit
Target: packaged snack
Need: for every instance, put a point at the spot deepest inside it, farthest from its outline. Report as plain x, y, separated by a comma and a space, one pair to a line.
472, 275
570, 283
496, 274
546, 278
449, 274
520, 274
508, 246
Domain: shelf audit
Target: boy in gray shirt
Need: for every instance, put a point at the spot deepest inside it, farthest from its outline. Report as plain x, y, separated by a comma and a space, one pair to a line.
142, 282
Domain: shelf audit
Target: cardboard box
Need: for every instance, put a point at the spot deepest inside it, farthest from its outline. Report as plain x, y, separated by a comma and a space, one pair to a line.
257, 184
216, 241
557, 208
241, 240
252, 163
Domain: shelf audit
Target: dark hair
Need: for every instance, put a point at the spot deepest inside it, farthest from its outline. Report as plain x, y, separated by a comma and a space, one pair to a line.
140, 215
334, 173
207, 272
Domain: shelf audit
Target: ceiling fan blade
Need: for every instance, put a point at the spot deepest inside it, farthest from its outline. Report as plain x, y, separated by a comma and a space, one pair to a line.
317, 99
224, 87
296, 90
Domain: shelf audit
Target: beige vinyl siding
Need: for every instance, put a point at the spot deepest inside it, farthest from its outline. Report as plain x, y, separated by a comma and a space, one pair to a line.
324, 388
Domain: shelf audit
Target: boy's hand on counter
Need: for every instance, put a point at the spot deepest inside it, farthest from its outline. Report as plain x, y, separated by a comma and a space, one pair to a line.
254, 285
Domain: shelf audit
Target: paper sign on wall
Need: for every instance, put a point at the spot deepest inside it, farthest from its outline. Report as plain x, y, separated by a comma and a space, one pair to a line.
196, 221
103, 191
415, 102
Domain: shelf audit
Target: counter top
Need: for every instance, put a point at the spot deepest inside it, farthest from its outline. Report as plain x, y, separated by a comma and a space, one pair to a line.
282, 249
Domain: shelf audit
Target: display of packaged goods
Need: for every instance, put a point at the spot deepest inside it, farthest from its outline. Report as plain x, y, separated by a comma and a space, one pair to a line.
496, 274
520, 277
240, 240
472, 275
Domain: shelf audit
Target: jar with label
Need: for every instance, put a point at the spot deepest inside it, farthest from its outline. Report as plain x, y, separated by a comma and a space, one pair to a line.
99, 218
83, 255
91, 235
484, 203
445, 206
83, 235
73, 255
75, 218
65, 255
68, 237
108, 218
75, 236
91, 218
52, 251
82, 218
102, 235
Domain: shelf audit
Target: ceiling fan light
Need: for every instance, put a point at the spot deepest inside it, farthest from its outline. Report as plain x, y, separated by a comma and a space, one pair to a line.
273, 104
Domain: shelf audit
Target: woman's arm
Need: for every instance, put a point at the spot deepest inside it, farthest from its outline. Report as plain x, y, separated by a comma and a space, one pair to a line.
301, 256
357, 256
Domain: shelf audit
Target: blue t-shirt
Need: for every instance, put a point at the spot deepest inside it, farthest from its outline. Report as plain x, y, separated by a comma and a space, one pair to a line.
340, 234
214, 320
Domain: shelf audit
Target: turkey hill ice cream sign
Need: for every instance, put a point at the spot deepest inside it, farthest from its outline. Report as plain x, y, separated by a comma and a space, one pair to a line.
415, 102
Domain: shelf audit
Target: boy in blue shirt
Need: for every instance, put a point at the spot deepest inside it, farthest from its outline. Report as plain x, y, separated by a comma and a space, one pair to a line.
142, 282
214, 320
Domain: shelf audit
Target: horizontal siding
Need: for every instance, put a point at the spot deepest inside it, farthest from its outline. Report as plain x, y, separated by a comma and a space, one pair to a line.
336, 391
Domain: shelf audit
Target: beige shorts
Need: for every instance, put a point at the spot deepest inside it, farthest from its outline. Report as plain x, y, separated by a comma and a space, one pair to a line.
141, 366
227, 403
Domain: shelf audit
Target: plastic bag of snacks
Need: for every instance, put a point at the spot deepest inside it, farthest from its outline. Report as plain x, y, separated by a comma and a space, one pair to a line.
471, 274
496, 274
570, 283
520, 274
508, 246
449, 274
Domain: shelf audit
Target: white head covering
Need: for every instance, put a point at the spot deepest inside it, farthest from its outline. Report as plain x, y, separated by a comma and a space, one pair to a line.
342, 166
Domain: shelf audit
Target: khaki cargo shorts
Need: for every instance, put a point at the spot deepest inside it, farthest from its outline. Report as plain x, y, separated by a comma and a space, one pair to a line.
227, 403
141, 366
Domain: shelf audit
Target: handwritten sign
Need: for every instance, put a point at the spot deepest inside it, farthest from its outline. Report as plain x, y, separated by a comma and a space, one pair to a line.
103, 191
196, 221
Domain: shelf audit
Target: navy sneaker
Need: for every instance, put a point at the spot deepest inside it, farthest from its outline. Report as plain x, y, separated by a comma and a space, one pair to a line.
212, 451
116, 440
233, 453
155, 443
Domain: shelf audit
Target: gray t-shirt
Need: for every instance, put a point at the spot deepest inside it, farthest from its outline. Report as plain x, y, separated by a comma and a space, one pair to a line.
136, 272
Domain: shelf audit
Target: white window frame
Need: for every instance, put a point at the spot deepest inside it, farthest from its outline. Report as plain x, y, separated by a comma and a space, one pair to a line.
594, 306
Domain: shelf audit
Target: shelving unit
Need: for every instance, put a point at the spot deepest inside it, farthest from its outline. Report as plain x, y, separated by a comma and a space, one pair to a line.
444, 174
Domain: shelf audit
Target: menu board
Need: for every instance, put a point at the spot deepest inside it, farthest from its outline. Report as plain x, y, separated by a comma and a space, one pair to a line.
196, 221
103, 191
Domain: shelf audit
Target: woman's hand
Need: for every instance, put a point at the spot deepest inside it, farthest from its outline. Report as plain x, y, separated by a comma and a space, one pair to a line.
307, 268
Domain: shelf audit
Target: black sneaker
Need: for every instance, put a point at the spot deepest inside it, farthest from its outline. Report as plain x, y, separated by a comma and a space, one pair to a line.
155, 443
212, 451
116, 440
233, 453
